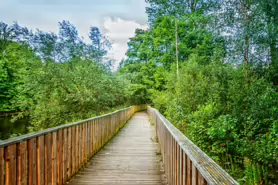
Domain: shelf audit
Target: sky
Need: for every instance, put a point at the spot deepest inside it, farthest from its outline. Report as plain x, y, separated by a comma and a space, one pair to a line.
117, 19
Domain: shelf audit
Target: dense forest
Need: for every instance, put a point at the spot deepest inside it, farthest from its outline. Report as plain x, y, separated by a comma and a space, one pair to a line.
210, 66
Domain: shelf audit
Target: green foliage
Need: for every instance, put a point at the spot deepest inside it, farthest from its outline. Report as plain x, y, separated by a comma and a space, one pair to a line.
67, 80
230, 114
177, 8
54, 93
227, 109
223, 95
13, 63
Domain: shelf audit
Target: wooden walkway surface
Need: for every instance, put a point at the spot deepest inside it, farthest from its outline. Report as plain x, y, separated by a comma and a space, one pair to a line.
129, 158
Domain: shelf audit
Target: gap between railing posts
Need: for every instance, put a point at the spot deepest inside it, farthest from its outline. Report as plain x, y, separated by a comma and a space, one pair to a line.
184, 162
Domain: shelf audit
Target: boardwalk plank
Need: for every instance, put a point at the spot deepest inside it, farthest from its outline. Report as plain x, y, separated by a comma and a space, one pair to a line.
129, 158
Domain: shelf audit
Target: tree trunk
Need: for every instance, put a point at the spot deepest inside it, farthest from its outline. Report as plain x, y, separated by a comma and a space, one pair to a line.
274, 62
177, 50
246, 55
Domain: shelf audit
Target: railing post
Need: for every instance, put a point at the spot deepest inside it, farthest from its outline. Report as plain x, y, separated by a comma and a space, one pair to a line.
21, 161
54, 158
59, 157
40, 160
73, 150
69, 152
10, 154
2, 165
65, 154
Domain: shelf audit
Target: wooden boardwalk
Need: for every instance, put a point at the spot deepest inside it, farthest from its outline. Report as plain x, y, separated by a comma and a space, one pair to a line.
129, 158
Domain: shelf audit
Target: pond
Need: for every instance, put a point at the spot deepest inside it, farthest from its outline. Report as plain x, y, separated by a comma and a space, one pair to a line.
10, 129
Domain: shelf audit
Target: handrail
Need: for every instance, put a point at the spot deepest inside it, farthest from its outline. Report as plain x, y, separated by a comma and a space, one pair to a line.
53, 129
184, 162
54, 155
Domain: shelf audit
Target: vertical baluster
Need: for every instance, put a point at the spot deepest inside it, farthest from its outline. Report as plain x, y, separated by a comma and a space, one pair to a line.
94, 136
173, 161
89, 146
54, 158
59, 157
86, 142
47, 159
69, 152
184, 168
194, 175
201, 180
90, 136
2, 167
65, 152
10, 155
77, 135
76, 149
40, 160
97, 134
180, 166
32, 161
102, 131
83, 140
169, 157
188, 171
166, 152
80, 145
21, 163
106, 129
176, 163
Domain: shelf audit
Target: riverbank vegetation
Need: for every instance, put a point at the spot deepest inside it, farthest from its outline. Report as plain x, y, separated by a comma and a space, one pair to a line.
211, 68
54, 79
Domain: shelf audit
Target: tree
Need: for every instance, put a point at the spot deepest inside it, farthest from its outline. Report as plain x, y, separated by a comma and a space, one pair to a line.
47, 46
177, 8
70, 43
99, 45
13, 65
14, 59
270, 36
6, 35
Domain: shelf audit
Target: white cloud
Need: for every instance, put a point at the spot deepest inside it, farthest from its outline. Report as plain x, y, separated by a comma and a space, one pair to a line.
122, 18
119, 31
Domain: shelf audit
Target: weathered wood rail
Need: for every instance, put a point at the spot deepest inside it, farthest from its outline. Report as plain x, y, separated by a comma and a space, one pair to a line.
54, 155
185, 163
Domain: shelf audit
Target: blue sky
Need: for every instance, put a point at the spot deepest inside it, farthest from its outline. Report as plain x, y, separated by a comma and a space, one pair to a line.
117, 19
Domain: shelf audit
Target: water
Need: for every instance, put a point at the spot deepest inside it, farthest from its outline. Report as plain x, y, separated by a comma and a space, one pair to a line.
10, 129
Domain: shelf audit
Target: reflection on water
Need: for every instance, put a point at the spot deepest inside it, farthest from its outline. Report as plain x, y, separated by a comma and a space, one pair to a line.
9, 129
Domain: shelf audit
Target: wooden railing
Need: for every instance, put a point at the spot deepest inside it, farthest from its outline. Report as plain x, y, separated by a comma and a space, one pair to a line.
184, 162
54, 155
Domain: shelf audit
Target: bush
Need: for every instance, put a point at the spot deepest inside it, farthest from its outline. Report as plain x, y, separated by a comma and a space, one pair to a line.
230, 113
